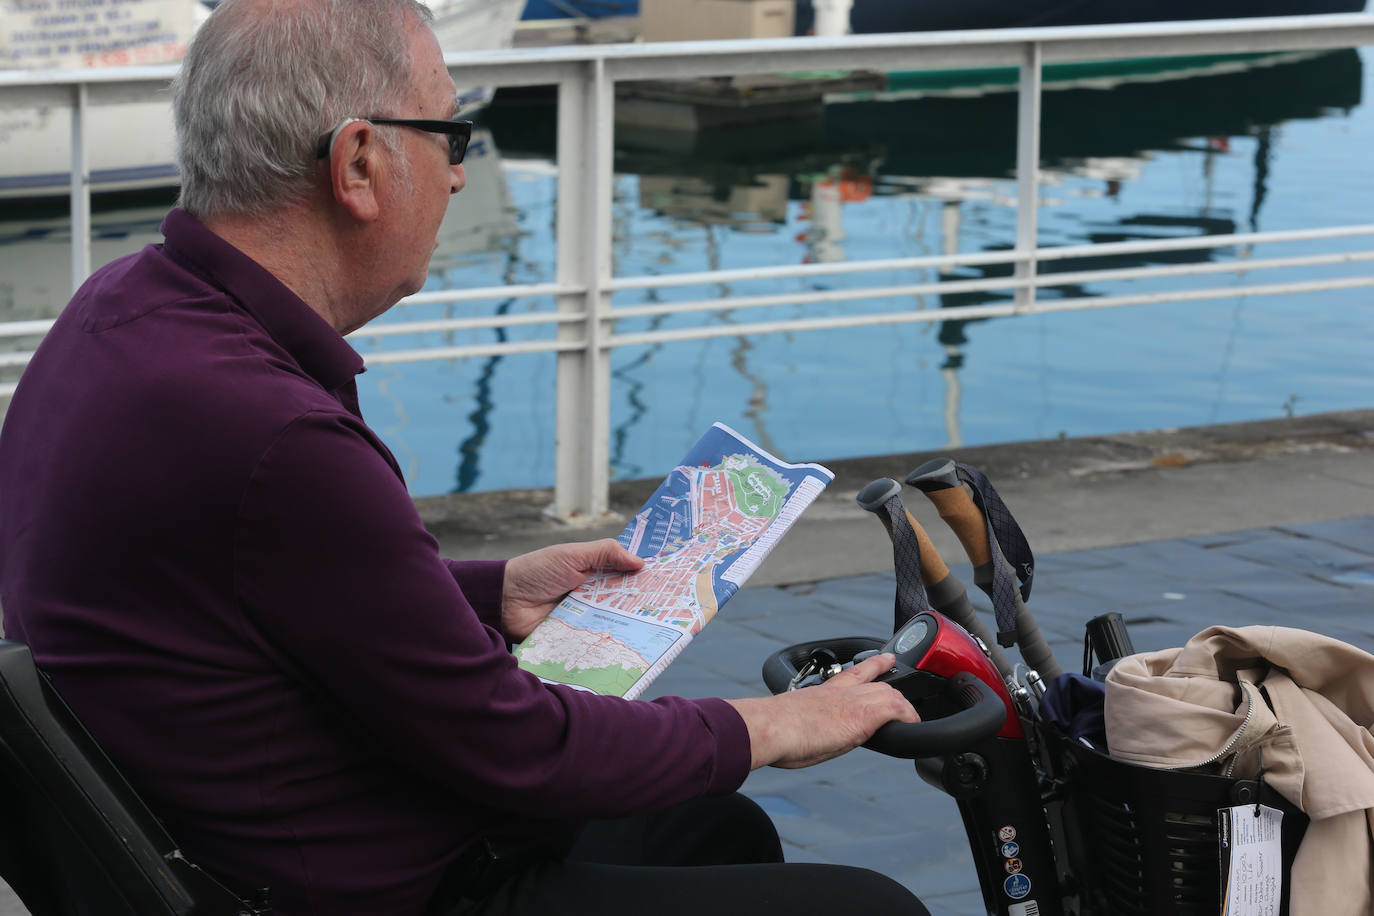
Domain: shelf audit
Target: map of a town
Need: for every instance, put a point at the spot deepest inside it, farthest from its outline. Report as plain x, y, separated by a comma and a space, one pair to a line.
704, 530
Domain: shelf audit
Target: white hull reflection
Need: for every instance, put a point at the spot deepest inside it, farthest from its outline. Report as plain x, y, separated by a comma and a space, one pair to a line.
35, 253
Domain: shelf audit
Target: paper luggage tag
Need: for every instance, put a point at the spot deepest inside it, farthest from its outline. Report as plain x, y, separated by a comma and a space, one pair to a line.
1251, 851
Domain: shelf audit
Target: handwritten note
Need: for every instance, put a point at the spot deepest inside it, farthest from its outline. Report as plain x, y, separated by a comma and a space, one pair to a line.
1251, 860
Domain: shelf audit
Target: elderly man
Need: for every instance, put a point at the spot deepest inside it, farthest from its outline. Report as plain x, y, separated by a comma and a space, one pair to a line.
217, 561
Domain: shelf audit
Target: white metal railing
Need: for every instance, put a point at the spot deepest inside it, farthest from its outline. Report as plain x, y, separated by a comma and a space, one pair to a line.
583, 325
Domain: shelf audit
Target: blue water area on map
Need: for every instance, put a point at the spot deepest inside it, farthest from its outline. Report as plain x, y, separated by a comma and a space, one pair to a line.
667, 517
645, 637
668, 514
668, 522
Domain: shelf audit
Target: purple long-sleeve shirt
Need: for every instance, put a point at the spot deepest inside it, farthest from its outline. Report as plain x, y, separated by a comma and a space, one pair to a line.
217, 562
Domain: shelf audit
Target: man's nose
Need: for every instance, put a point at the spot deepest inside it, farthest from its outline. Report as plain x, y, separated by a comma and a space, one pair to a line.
458, 179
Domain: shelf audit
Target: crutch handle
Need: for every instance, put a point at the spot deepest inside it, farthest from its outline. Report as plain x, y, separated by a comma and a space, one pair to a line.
940, 482
874, 496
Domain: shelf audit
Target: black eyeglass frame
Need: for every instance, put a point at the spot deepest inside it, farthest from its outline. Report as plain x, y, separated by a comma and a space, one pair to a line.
459, 133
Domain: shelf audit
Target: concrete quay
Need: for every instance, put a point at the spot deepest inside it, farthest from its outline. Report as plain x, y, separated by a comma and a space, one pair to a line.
1256, 523
1067, 494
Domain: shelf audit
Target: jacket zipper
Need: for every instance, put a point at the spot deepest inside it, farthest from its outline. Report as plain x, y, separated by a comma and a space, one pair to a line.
1252, 696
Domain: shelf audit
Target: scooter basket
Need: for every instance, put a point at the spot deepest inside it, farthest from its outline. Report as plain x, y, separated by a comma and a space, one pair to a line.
1142, 841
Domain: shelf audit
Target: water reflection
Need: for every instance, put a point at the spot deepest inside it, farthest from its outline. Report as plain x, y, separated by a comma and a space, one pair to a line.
35, 252
470, 450
864, 180
955, 154
962, 136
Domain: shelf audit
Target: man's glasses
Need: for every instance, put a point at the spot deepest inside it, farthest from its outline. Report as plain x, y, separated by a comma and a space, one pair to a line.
459, 133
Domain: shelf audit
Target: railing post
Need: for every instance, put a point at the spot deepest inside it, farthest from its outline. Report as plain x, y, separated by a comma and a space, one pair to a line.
1027, 175
80, 191
585, 150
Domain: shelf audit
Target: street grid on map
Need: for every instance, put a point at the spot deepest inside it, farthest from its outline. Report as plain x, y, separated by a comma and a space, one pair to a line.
617, 631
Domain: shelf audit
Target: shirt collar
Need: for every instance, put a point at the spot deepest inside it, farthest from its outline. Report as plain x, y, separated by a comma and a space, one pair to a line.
319, 349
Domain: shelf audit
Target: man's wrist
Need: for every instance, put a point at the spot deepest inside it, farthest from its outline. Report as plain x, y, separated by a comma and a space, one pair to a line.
761, 726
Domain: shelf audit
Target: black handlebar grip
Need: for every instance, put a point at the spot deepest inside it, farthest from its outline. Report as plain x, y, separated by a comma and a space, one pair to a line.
981, 716
1109, 638
982, 711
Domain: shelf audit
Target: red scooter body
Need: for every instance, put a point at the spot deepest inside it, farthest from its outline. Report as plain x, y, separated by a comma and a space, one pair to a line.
942, 647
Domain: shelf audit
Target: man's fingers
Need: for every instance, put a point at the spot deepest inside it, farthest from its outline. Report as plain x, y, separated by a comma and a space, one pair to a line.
903, 711
867, 670
884, 703
608, 553
881, 699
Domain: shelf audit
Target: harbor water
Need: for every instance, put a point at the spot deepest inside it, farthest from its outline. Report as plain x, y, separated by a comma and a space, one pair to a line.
1252, 144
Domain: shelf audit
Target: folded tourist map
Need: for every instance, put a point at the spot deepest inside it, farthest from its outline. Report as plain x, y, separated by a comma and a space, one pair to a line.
705, 530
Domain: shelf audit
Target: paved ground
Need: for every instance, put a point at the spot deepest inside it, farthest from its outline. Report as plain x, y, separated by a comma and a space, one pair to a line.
1267, 523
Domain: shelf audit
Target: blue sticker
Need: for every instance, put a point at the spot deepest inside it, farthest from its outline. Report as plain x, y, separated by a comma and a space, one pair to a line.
1016, 886
1010, 850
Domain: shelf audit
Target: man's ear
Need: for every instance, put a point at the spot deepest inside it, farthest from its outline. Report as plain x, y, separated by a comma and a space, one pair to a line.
353, 170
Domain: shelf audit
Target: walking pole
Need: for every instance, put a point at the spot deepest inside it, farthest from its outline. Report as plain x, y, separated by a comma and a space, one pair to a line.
944, 590
944, 483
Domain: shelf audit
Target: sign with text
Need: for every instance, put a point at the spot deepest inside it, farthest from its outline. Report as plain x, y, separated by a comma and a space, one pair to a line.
73, 34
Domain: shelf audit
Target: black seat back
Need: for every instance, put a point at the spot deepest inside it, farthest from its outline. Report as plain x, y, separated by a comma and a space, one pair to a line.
75, 839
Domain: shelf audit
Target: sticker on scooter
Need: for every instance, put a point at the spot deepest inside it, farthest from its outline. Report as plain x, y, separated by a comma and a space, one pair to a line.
1011, 850
1016, 886
1013, 866
1029, 908
1007, 834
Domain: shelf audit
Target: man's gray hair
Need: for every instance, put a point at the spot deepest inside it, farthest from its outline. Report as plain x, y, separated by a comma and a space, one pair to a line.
263, 80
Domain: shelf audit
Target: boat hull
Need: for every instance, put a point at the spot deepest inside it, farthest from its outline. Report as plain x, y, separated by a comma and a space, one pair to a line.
133, 145
873, 16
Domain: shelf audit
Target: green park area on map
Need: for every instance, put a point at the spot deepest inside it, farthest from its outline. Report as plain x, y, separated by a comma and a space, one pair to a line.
589, 647
759, 491
610, 681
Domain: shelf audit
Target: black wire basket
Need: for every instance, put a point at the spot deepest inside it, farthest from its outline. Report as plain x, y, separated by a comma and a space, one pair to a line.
1137, 841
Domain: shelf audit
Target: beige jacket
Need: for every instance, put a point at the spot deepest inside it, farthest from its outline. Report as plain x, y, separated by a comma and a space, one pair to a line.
1201, 706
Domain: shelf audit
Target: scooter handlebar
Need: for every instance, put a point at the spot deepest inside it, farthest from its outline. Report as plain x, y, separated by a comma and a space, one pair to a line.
980, 716
780, 668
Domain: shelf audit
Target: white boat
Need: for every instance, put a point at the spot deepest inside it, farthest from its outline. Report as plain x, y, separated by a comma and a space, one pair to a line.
35, 250
132, 144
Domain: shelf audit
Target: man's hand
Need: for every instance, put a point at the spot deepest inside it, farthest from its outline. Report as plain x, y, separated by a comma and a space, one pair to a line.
536, 581
802, 727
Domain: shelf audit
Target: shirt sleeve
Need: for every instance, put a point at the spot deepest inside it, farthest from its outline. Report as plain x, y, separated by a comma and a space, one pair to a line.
481, 582
334, 567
